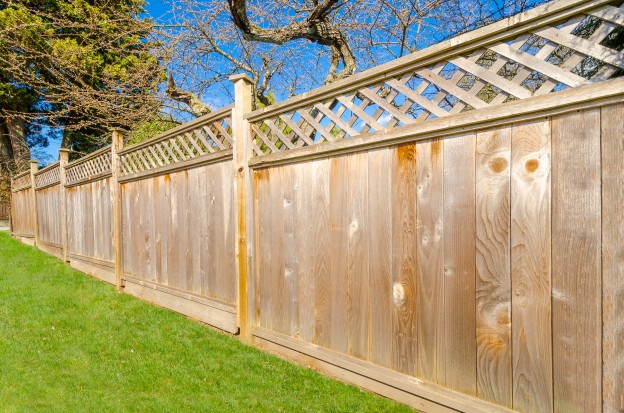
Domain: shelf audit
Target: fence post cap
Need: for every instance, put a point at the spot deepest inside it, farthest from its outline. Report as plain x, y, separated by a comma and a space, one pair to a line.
240, 76
64, 150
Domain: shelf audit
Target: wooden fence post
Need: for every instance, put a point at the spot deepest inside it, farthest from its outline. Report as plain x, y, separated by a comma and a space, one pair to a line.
116, 146
34, 167
64, 160
242, 153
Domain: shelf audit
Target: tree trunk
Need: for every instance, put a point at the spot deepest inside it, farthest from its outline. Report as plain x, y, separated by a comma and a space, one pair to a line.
16, 126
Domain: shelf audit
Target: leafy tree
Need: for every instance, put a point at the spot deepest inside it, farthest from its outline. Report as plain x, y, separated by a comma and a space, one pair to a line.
74, 67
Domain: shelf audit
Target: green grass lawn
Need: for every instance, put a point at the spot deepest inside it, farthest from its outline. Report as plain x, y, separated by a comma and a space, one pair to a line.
69, 343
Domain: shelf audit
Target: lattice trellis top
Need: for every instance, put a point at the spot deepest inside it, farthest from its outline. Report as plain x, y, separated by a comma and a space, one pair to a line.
21, 181
49, 175
206, 135
95, 165
559, 45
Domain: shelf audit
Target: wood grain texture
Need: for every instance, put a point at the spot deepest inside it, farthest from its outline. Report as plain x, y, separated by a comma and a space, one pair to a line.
90, 230
404, 282
459, 264
22, 213
357, 255
380, 256
612, 138
339, 238
493, 288
530, 267
576, 262
321, 171
170, 241
49, 214
430, 263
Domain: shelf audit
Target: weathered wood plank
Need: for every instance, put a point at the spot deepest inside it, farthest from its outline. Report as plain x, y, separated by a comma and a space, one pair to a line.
612, 123
493, 317
380, 256
357, 255
404, 288
459, 264
576, 262
290, 252
322, 230
430, 263
530, 267
339, 241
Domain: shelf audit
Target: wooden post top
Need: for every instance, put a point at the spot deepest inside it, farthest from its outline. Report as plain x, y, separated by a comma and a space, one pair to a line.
64, 155
34, 166
241, 76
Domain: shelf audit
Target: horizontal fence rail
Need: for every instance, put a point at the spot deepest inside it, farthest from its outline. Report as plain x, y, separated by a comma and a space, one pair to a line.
444, 229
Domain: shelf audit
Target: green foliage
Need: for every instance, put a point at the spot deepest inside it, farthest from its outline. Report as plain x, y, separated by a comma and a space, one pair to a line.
148, 129
81, 66
69, 343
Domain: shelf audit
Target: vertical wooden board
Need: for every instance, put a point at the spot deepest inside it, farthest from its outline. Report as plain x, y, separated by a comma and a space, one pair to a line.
253, 280
218, 211
158, 228
173, 266
210, 247
321, 241
264, 312
277, 270
493, 254
612, 121
339, 238
150, 226
165, 222
126, 196
459, 263
531, 267
305, 218
380, 255
183, 215
576, 262
190, 231
98, 227
404, 260
430, 264
89, 227
108, 202
229, 277
289, 293
198, 209
357, 258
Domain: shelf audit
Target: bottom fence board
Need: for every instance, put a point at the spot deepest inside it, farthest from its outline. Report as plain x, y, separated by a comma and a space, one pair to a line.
209, 314
405, 389
51, 248
25, 239
100, 270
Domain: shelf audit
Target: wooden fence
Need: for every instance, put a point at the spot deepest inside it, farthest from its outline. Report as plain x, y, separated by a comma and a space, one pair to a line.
445, 229
4, 210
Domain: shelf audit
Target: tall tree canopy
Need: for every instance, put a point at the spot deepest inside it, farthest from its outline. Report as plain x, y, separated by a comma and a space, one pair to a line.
77, 67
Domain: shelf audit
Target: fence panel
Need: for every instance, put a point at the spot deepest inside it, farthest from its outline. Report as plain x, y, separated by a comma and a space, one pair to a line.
90, 229
48, 193
433, 259
22, 207
178, 219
